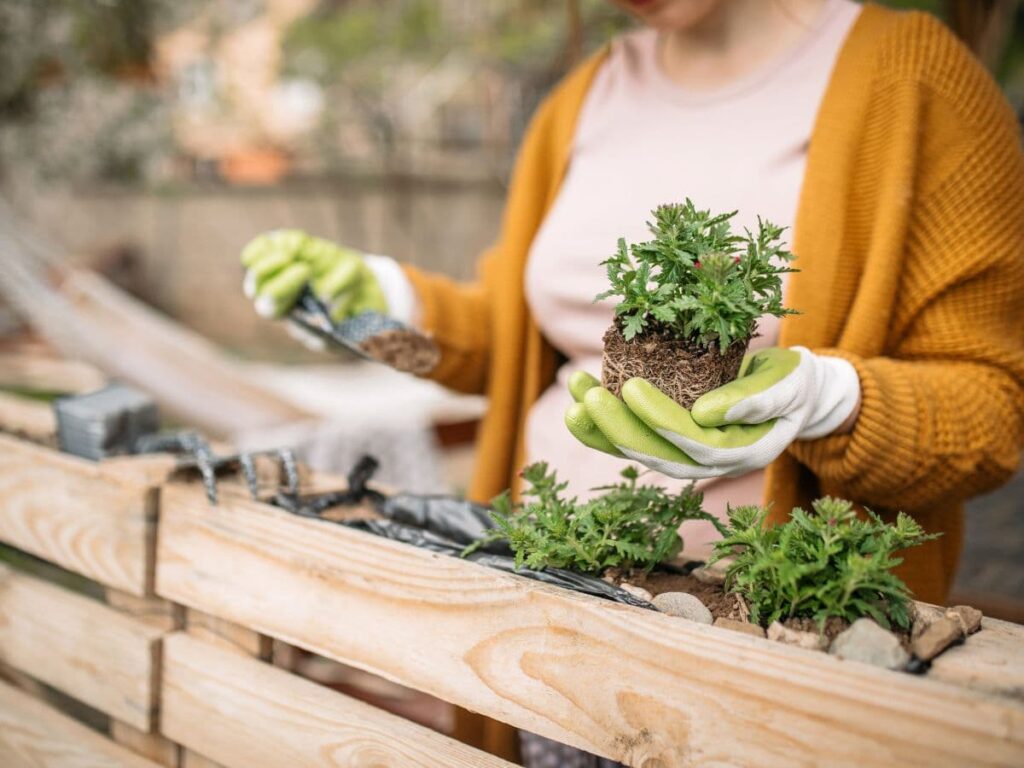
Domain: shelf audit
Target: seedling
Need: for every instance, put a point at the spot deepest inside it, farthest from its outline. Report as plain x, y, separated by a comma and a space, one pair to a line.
690, 299
627, 526
819, 564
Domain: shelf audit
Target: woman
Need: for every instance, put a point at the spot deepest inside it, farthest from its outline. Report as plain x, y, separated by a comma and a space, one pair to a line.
875, 135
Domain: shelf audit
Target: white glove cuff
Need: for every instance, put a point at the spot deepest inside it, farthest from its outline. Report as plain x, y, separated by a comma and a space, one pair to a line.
836, 398
403, 304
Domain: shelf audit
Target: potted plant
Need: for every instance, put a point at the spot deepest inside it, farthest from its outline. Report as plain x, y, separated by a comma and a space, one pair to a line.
689, 300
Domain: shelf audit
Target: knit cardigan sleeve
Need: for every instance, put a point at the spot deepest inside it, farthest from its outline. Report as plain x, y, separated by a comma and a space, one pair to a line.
942, 416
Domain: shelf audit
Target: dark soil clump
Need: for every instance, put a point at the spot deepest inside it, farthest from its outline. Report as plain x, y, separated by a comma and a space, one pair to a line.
677, 367
404, 351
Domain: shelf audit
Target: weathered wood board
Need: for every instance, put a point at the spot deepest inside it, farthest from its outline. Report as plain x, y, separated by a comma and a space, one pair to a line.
34, 736
27, 417
97, 519
244, 714
80, 646
635, 685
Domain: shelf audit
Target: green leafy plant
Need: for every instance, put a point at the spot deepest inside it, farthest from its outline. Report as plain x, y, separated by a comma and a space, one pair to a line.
627, 526
819, 564
696, 279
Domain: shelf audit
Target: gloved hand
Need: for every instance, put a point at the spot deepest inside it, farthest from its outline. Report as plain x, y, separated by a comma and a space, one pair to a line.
279, 264
781, 395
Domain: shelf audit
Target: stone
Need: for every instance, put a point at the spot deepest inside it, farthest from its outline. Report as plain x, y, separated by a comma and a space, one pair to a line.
635, 591
969, 618
709, 576
683, 605
939, 635
923, 616
867, 642
740, 626
810, 640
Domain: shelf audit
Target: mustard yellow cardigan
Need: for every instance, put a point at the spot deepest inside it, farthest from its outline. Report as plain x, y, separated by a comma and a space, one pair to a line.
910, 241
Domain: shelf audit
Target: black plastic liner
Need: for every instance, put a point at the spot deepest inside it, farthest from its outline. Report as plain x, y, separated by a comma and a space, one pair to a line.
444, 524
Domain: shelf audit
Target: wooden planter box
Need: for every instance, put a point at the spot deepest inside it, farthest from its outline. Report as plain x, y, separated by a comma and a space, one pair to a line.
638, 686
185, 677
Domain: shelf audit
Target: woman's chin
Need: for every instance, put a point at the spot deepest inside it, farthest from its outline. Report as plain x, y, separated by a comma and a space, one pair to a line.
669, 15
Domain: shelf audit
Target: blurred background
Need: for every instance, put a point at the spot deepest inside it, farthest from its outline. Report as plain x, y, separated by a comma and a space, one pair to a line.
144, 142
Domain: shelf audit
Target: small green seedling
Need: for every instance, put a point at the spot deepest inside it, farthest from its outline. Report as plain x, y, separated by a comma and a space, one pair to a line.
819, 564
627, 526
696, 279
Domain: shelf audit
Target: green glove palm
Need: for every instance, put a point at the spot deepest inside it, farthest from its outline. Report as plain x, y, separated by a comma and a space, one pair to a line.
281, 263
781, 395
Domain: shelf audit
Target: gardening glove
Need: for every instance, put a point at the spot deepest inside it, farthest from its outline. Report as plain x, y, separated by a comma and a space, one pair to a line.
780, 395
279, 264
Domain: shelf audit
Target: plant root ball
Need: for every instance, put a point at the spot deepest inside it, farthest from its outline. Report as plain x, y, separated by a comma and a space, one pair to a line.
678, 368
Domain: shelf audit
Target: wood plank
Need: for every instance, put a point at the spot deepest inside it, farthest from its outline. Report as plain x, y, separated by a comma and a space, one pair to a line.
48, 374
242, 713
80, 646
630, 684
96, 519
983, 663
30, 418
224, 634
218, 631
152, 746
34, 736
162, 614
165, 616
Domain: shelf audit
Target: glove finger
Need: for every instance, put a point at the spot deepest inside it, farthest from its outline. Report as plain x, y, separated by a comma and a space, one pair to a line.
580, 382
342, 308
370, 298
262, 270
277, 295
288, 241
706, 445
764, 392
585, 430
635, 440
322, 254
343, 276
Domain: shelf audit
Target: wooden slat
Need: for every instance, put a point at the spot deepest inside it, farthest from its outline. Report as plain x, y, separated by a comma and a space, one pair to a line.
34, 736
162, 614
630, 684
27, 417
165, 617
49, 374
989, 661
243, 713
96, 519
152, 746
218, 631
79, 646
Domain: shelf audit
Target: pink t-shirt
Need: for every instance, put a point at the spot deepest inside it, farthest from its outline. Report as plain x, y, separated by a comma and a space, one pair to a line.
642, 140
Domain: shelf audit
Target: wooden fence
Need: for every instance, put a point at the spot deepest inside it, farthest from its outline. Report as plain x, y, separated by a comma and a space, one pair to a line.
170, 640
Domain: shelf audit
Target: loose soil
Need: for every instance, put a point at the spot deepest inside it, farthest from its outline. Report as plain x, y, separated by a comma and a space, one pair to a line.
715, 599
405, 351
678, 368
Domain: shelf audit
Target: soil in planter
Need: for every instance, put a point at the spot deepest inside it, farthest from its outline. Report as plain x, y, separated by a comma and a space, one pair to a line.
731, 606
678, 368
